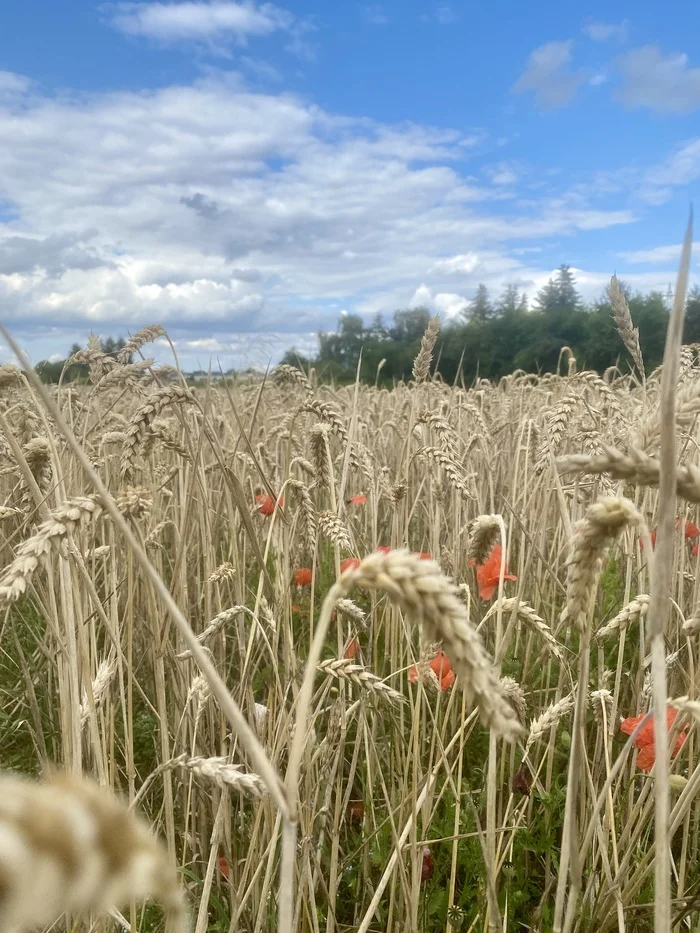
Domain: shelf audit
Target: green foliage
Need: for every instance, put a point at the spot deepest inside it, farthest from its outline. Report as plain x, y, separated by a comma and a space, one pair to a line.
490, 340
51, 370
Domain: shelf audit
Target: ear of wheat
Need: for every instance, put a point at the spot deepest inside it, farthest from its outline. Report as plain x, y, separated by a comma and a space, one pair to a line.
68, 846
420, 588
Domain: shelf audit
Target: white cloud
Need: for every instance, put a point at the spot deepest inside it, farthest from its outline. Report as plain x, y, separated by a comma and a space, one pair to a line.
502, 174
601, 32
11, 84
175, 22
547, 77
663, 83
445, 303
464, 264
375, 15
212, 210
682, 167
446, 16
668, 254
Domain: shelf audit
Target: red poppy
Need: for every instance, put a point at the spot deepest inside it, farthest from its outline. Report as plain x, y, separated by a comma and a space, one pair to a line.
427, 866
441, 667
488, 573
424, 555
691, 530
266, 504
303, 576
383, 549
443, 670
350, 563
357, 500
356, 811
223, 866
296, 608
351, 649
652, 535
646, 755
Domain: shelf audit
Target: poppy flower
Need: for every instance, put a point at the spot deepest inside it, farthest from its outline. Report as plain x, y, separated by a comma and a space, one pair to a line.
427, 866
223, 866
266, 504
652, 535
690, 529
443, 670
440, 666
383, 549
303, 576
646, 755
488, 573
356, 811
350, 563
296, 608
357, 500
351, 649
424, 555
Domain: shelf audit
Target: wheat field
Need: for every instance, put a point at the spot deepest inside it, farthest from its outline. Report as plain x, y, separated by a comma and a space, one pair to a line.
368, 659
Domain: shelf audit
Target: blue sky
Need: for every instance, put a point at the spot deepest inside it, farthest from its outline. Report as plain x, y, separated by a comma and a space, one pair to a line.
245, 172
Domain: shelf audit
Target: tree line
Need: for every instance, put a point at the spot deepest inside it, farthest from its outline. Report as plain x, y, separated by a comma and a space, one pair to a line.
490, 339
51, 370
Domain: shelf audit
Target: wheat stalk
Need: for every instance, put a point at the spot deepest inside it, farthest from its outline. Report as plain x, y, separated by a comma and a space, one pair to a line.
635, 609
34, 552
421, 364
624, 324
347, 669
221, 772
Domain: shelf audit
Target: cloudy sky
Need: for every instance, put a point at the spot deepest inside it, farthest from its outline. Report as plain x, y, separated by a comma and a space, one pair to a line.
244, 173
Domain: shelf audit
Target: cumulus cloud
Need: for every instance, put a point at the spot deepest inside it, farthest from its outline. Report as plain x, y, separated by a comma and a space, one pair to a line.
546, 75
662, 83
602, 32
210, 208
175, 22
447, 304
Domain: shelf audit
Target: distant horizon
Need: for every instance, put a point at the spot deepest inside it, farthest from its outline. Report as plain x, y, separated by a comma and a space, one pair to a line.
244, 172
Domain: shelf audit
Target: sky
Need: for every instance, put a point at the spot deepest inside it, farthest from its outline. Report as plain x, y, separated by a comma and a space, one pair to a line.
244, 173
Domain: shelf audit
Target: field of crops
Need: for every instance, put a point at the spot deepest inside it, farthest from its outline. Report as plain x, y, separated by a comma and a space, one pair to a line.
422, 637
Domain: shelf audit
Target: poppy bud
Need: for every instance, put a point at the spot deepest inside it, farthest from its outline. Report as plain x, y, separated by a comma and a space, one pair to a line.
427, 866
